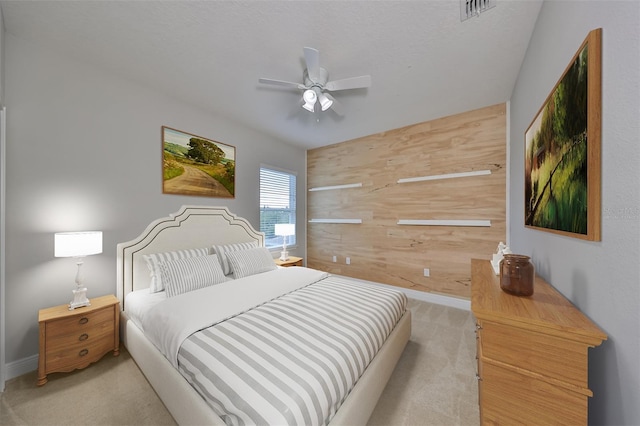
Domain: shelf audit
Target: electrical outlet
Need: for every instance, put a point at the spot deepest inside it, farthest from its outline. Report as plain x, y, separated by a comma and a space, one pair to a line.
426, 272
348, 261
335, 259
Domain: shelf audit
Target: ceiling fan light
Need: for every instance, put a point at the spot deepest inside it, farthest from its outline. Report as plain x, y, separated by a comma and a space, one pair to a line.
309, 98
325, 102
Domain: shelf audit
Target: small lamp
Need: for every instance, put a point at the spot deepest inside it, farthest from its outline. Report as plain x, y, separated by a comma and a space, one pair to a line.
284, 230
78, 245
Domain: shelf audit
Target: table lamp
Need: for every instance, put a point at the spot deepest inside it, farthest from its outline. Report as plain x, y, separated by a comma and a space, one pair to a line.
78, 245
284, 230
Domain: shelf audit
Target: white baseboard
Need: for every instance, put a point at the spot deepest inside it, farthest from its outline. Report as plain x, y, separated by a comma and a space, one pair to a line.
21, 366
439, 299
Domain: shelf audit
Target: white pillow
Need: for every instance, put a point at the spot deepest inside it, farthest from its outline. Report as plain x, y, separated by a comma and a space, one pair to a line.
154, 259
223, 250
192, 273
249, 262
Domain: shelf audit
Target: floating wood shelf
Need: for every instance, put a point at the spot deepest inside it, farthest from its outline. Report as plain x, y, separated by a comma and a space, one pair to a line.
335, 220
326, 188
444, 222
445, 176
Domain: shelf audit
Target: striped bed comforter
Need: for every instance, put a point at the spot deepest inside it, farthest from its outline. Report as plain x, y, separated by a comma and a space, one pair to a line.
294, 359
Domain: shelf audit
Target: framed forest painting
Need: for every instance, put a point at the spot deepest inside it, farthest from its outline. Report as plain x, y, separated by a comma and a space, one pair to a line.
562, 150
193, 165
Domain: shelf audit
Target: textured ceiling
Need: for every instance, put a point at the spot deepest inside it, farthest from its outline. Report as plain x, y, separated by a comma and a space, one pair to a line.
424, 62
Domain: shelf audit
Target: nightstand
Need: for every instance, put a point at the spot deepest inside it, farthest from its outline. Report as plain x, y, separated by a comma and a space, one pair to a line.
292, 261
71, 340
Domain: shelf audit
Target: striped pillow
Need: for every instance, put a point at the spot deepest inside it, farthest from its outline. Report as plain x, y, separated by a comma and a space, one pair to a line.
249, 262
184, 275
153, 261
223, 250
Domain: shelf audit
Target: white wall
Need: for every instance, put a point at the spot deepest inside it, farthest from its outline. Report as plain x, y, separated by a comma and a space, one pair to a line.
84, 153
2, 213
600, 278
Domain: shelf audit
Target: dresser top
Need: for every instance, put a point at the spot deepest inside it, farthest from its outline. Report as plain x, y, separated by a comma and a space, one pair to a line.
547, 310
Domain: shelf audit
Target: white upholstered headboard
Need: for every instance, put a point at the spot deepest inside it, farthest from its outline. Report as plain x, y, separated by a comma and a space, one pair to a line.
190, 227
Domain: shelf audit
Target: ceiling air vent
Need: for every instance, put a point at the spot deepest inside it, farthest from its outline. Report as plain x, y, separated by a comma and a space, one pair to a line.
471, 8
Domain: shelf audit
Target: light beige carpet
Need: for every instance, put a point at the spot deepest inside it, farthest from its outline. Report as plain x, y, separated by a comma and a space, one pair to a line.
433, 384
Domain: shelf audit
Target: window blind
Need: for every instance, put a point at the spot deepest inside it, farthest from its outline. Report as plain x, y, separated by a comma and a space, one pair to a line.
277, 204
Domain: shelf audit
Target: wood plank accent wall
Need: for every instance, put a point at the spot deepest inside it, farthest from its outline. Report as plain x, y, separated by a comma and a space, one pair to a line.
379, 249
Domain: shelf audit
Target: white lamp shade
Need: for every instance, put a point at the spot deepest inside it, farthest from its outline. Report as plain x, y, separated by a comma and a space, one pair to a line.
309, 97
285, 229
325, 102
78, 244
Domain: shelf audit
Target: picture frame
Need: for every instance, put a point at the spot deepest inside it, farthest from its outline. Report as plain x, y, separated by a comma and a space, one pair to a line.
197, 166
562, 150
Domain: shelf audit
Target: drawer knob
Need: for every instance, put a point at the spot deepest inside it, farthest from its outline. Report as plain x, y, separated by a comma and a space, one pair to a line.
83, 352
84, 320
478, 327
478, 378
83, 336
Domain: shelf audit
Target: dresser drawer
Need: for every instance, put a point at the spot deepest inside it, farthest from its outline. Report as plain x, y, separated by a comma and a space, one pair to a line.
511, 398
556, 358
479, 365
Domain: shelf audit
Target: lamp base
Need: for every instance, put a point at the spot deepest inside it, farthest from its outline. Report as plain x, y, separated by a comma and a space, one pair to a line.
284, 255
79, 299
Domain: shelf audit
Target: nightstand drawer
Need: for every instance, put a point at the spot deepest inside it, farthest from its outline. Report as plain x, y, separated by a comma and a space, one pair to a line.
67, 357
79, 324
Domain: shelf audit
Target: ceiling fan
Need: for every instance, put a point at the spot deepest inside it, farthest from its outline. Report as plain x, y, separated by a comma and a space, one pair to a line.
316, 85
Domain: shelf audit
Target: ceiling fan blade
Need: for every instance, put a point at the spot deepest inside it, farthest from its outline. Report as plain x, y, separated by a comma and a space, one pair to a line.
282, 83
312, 58
349, 83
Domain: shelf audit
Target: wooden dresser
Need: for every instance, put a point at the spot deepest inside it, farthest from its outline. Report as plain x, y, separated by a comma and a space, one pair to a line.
74, 339
532, 353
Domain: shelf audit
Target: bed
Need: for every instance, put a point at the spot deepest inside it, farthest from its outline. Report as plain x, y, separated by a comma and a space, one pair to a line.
163, 352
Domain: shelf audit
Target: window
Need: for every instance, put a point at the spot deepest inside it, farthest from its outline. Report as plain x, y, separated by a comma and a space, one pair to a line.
277, 204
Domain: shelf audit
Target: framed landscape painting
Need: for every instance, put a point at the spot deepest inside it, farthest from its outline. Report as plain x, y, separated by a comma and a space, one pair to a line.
193, 165
562, 151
